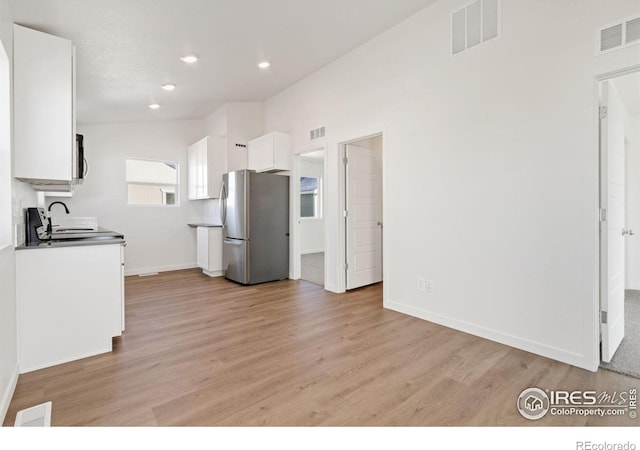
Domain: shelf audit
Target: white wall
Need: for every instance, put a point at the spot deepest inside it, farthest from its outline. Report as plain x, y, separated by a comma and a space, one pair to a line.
490, 163
633, 203
238, 122
311, 229
21, 196
158, 238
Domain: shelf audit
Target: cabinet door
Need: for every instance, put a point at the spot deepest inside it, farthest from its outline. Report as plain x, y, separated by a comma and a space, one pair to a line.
43, 106
207, 163
270, 152
215, 249
192, 165
217, 164
202, 245
261, 153
203, 170
122, 314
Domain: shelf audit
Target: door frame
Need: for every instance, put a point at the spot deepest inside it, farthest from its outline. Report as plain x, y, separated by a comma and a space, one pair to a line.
342, 183
294, 188
597, 303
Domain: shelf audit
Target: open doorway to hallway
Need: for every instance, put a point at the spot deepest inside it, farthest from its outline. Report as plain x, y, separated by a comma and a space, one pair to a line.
620, 223
363, 212
311, 219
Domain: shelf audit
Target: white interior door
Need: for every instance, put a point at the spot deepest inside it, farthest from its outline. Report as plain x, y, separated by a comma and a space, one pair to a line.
612, 232
364, 217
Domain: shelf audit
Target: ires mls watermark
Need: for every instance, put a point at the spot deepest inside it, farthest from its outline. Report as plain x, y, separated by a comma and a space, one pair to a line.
535, 403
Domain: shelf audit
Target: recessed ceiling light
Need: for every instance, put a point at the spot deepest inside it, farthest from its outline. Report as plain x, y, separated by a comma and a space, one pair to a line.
154, 106
264, 64
168, 86
189, 58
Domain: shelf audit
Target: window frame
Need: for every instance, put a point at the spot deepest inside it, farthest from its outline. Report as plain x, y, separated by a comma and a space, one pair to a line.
318, 212
162, 186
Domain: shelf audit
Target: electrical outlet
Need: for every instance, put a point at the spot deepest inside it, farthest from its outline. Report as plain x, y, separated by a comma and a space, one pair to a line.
428, 286
420, 284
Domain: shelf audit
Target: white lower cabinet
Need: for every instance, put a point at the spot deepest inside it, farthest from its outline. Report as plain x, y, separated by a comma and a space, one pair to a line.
70, 303
209, 250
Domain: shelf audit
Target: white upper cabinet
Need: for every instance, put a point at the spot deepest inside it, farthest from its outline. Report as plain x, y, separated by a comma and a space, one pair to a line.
271, 152
44, 107
206, 163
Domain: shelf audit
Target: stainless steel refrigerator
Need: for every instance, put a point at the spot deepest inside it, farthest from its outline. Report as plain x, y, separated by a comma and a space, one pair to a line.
254, 210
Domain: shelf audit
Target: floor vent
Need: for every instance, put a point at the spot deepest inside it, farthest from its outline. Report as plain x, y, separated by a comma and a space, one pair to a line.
149, 274
474, 24
36, 416
617, 36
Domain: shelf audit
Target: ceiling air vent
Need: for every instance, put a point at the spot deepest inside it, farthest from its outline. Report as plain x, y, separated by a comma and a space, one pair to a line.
316, 134
474, 24
620, 35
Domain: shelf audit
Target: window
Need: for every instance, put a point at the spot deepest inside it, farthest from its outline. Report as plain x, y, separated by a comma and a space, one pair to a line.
152, 183
310, 199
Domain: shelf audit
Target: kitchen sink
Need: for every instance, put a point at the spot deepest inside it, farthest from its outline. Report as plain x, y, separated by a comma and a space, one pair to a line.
73, 230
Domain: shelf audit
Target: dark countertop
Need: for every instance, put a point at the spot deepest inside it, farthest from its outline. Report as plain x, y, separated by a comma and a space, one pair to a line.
100, 237
209, 225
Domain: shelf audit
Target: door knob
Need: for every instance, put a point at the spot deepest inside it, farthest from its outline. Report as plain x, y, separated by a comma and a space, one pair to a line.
629, 232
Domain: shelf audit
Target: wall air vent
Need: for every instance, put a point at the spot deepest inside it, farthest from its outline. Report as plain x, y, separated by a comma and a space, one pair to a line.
316, 134
617, 36
474, 24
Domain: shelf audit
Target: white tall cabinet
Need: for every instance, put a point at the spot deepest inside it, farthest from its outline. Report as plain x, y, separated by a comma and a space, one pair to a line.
44, 107
206, 163
209, 250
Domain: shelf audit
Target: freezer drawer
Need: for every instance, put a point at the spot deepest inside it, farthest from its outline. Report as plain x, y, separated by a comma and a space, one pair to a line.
235, 260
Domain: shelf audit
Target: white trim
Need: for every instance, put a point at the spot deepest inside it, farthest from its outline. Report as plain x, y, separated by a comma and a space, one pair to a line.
635, 286
295, 266
596, 308
103, 350
7, 395
341, 284
215, 273
146, 270
556, 353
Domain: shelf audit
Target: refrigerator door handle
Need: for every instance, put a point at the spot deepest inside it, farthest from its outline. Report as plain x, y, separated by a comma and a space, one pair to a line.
222, 206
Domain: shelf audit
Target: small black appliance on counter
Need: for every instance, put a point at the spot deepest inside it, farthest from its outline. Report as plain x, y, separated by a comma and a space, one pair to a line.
36, 222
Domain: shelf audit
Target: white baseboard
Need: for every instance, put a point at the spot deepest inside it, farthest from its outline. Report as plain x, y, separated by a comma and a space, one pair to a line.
558, 354
7, 395
144, 270
215, 273
635, 286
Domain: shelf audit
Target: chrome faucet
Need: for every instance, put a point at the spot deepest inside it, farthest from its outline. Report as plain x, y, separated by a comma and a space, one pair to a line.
50, 226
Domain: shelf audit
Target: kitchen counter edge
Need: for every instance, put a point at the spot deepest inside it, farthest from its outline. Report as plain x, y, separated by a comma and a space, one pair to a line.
72, 243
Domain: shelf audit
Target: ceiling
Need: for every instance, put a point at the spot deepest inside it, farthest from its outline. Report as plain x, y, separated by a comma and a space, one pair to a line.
126, 49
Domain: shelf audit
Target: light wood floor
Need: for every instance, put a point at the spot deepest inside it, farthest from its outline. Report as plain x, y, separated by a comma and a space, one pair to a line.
206, 351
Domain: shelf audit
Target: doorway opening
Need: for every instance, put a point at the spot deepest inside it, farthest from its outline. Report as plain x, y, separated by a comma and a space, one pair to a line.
620, 223
311, 216
363, 213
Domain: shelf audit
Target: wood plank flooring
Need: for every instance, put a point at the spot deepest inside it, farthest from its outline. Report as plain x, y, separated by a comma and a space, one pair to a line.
202, 351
